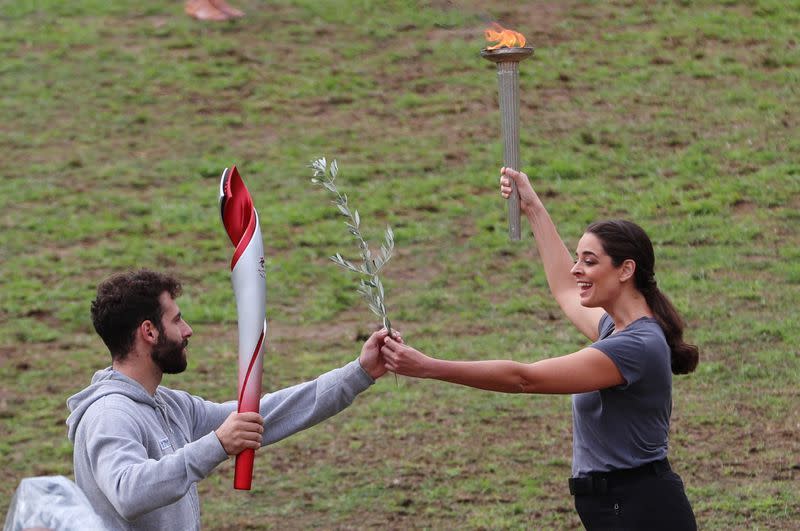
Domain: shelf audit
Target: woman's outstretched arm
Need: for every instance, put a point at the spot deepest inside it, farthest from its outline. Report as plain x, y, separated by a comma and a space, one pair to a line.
556, 258
583, 371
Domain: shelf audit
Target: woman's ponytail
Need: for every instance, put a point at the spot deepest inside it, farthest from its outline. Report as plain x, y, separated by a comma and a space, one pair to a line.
684, 355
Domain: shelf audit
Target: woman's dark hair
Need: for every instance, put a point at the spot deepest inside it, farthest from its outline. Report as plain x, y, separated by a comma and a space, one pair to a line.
126, 300
623, 240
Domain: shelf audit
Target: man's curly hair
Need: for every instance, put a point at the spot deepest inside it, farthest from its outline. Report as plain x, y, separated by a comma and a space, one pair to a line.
126, 300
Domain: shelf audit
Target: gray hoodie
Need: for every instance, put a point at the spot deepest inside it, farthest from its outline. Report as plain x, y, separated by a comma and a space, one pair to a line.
138, 457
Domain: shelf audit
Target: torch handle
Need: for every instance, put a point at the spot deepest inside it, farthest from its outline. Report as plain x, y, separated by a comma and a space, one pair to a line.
243, 475
249, 396
514, 230
508, 83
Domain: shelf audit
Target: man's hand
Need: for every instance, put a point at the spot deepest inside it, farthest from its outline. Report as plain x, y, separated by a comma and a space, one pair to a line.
370, 358
240, 431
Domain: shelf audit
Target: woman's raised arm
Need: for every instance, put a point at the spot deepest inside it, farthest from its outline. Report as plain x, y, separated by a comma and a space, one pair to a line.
556, 258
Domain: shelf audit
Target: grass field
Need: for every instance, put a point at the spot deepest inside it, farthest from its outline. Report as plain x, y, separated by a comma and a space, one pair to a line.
117, 118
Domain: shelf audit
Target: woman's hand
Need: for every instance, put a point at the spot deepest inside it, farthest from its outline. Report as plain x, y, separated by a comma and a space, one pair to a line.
527, 197
402, 359
370, 358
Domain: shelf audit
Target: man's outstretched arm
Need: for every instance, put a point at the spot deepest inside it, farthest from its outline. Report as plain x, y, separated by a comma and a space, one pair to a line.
301, 406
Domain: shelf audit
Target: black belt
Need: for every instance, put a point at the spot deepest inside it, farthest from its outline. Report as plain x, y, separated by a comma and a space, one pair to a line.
600, 482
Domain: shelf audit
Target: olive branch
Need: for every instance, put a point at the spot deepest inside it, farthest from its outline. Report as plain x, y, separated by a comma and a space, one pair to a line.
370, 286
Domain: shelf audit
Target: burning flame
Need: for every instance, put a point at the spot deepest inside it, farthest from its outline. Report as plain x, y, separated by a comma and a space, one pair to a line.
505, 38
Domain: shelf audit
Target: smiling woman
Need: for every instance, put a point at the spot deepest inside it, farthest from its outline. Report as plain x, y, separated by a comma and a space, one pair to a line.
628, 247
621, 383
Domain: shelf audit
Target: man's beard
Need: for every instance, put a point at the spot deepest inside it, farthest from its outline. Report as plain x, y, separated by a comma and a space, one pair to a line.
169, 355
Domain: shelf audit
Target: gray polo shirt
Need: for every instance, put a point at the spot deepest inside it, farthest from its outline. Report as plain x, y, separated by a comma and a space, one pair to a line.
628, 425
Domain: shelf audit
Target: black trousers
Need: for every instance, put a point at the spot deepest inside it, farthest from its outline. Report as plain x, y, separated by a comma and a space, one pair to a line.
652, 500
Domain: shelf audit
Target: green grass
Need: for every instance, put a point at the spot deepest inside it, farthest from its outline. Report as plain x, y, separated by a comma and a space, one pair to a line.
116, 120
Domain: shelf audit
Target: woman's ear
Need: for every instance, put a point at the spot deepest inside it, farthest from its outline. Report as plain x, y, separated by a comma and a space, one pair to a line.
627, 270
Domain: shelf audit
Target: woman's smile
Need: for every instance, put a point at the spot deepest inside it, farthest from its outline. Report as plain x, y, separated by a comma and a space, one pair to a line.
584, 286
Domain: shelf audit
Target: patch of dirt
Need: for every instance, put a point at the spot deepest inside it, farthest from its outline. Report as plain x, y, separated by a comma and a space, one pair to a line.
743, 207
346, 328
5, 354
754, 451
405, 270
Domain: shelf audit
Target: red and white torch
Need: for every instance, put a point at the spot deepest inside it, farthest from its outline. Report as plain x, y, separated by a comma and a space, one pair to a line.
248, 274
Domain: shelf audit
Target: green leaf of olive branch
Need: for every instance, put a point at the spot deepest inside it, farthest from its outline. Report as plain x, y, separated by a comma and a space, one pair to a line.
370, 287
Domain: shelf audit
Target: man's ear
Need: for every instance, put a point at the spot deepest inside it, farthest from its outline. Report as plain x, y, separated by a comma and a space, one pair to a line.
627, 270
148, 331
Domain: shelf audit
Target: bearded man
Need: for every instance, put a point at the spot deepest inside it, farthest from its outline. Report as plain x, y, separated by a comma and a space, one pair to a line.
139, 447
